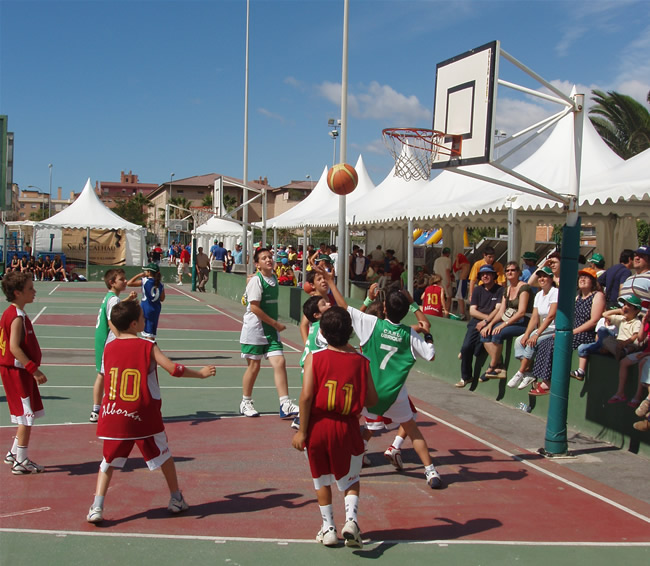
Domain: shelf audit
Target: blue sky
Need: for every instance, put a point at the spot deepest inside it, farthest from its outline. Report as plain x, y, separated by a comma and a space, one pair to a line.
154, 87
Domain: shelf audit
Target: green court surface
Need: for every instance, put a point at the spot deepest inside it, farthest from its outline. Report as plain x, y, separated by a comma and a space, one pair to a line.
250, 493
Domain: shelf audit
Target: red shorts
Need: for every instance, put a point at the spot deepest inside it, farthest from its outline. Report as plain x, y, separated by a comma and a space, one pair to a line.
154, 450
334, 446
23, 396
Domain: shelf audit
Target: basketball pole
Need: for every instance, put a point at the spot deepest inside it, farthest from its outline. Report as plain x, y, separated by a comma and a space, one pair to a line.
556, 438
245, 254
343, 251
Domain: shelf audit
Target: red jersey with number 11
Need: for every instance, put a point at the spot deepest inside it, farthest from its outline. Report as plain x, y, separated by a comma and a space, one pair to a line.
131, 404
28, 343
340, 383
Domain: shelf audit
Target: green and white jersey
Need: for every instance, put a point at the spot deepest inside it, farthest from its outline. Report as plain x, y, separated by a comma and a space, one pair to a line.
315, 342
266, 291
392, 350
103, 333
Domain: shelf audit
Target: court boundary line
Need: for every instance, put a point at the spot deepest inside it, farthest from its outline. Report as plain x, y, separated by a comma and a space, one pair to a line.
218, 539
537, 468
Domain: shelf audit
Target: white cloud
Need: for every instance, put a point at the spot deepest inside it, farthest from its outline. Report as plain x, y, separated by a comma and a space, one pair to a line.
270, 114
294, 82
379, 102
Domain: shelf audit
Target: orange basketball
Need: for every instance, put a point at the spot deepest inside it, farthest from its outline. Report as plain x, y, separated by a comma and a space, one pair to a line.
342, 179
308, 288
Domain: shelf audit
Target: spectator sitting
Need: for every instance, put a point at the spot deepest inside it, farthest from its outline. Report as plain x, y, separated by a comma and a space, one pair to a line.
510, 321
625, 323
489, 257
553, 262
598, 262
530, 265
541, 326
613, 278
483, 308
589, 307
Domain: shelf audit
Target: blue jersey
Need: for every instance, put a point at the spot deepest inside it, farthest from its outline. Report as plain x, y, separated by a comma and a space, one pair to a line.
151, 305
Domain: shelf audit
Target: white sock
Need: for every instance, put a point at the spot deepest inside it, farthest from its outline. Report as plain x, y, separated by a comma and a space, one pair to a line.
351, 507
96, 408
98, 501
397, 443
327, 514
21, 453
430, 468
177, 495
14, 446
365, 445
283, 399
246, 398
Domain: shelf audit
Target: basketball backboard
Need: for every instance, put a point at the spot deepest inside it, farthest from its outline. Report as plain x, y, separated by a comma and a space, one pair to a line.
464, 104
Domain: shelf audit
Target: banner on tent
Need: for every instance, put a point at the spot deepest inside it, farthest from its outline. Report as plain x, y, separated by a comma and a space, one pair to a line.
106, 247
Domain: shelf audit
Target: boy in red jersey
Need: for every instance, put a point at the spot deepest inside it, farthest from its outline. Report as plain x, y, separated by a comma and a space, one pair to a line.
130, 412
336, 386
20, 356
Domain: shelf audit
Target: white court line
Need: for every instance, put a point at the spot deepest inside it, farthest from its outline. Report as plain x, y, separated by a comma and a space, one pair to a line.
25, 512
172, 286
538, 468
313, 541
224, 313
39, 314
55, 288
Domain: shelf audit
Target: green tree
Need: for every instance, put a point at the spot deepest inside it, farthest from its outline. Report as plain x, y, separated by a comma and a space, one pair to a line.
38, 215
621, 121
133, 209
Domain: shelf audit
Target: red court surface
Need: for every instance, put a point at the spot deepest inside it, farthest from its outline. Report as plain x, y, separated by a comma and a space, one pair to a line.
209, 321
243, 479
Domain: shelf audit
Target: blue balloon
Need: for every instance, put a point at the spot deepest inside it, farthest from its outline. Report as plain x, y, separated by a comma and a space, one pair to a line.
285, 260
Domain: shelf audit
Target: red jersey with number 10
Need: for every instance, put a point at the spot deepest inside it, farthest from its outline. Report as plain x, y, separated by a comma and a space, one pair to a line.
28, 344
340, 383
131, 404
432, 300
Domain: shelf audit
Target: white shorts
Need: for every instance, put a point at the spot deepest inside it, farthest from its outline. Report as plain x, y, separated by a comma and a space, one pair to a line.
399, 412
182, 268
644, 371
345, 482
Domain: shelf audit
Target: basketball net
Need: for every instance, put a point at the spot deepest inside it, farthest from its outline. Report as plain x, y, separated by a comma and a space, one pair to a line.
415, 150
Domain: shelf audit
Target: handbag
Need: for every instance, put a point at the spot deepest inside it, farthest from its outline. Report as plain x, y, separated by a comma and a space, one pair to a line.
508, 314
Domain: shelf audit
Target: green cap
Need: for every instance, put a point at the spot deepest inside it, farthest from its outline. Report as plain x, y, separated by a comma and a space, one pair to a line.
153, 267
596, 258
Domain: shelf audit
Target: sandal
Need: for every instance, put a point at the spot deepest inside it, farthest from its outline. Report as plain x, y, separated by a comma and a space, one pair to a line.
542, 388
577, 374
616, 399
634, 403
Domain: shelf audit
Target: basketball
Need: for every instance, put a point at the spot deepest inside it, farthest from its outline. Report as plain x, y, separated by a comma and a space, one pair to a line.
342, 179
308, 288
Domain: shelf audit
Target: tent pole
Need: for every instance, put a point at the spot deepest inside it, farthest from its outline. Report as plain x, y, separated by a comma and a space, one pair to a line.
87, 253
409, 256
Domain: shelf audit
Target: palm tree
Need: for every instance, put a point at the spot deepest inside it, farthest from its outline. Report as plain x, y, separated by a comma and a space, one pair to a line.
622, 122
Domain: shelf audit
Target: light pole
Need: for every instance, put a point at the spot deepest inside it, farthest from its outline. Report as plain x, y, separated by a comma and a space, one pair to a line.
311, 182
334, 133
49, 203
498, 134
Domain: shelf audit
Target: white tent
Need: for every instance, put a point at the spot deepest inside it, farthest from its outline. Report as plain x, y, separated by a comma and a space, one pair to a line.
88, 213
321, 207
222, 229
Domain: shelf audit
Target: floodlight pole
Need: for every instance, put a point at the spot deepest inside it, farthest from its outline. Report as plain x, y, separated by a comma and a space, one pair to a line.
556, 439
343, 252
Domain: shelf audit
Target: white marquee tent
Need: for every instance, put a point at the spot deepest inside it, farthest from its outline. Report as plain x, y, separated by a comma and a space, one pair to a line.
87, 212
222, 229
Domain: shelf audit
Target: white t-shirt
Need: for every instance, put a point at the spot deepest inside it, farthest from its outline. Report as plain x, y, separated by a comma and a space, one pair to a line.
543, 305
440, 267
252, 331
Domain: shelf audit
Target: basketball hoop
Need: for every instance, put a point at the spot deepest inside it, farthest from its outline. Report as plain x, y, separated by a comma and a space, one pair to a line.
415, 149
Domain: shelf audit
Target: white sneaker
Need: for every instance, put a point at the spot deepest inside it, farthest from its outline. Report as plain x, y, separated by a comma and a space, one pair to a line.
434, 481
352, 534
177, 505
26, 467
289, 409
394, 456
526, 381
296, 423
94, 416
328, 537
95, 515
179, 283
247, 409
516, 379
10, 458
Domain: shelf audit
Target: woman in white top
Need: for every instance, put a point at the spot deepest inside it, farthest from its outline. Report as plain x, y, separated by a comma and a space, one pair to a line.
540, 327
